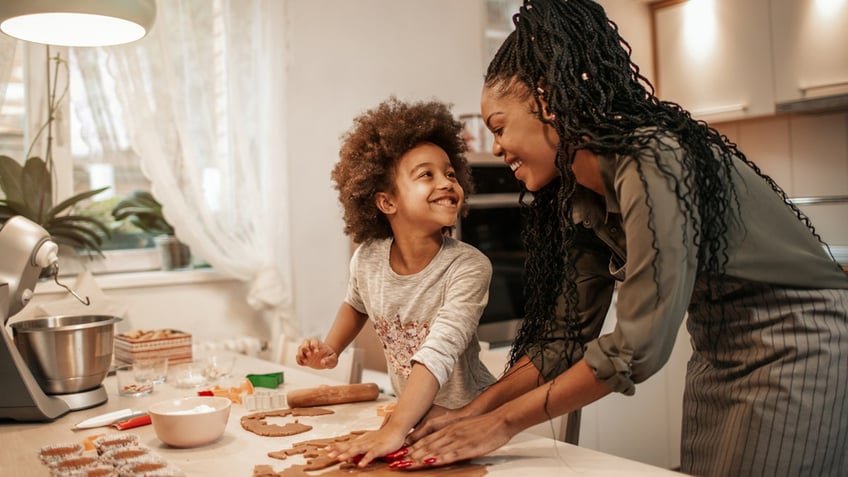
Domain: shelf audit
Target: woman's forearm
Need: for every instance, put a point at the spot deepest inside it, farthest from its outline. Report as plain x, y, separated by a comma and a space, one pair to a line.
519, 379
461, 439
571, 390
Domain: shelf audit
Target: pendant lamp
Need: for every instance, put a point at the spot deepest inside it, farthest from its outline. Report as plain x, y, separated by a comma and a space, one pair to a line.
77, 22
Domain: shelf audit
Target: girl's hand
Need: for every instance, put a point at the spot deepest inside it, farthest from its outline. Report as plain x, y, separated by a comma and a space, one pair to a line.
461, 440
316, 354
367, 447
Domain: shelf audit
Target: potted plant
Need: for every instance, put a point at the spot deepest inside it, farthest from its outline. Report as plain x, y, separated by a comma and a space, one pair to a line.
28, 191
144, 212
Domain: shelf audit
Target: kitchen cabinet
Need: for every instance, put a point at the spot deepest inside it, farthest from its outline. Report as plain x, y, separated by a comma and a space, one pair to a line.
713, 57
808, 40
727, 60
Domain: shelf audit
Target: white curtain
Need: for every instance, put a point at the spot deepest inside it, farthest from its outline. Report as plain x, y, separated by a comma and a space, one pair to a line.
7, 56
204, 103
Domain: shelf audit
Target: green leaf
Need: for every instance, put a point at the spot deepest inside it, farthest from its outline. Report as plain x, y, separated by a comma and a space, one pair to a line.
128, 211
77, 235
6, 213
79, 220
20, 208
70, 201
145, 198
143, 211
37, 187
79, 243
11, 173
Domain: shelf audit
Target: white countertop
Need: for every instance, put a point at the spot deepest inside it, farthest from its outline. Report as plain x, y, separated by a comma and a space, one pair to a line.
238, 451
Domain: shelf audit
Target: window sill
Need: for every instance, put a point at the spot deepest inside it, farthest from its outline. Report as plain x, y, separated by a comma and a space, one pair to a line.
148, 279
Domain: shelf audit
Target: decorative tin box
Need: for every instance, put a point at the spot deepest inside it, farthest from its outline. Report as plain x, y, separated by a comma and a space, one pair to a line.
140, 344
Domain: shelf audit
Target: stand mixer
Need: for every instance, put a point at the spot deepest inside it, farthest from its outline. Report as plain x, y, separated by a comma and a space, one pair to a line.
27, 249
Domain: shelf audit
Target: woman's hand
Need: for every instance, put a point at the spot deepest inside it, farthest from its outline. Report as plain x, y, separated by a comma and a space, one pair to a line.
461, 440
316, 354
367, 447
436, 418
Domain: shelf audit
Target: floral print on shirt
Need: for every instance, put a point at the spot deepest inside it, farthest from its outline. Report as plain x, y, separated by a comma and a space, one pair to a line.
401, 341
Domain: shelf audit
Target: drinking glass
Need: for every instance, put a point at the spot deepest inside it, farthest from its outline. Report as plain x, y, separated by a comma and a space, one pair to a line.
132, 383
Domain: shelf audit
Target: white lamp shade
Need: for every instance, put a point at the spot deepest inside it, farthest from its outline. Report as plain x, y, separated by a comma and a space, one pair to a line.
77, 22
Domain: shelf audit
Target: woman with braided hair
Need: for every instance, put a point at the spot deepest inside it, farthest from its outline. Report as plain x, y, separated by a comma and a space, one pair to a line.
628, 189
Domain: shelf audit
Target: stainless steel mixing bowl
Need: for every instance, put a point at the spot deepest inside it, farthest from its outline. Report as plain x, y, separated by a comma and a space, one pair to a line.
67, 354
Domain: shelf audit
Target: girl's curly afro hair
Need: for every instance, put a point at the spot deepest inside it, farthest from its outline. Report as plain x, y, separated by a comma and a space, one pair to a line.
372, 148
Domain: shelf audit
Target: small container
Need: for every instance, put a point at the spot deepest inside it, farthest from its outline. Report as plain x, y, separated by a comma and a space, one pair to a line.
218, 366
125, 455
174, 344
133, 381
98, 470
188, 375
149, 467
115, 441
156, 368
55, 452
73, 464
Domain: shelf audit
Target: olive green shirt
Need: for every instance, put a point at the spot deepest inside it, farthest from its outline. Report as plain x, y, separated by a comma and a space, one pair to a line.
769, 245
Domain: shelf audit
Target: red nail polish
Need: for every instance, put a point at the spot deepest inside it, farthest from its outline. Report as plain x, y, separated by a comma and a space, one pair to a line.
397, 454
430, 461
400, 464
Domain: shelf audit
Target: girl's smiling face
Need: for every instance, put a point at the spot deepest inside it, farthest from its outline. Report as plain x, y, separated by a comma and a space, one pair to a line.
427, 196
526, 144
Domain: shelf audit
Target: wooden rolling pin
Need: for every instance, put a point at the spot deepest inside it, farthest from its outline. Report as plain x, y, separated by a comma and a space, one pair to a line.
326, 395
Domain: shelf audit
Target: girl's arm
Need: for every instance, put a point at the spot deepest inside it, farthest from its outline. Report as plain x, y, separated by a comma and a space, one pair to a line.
325, 354
417, 397
520, 378
348, 324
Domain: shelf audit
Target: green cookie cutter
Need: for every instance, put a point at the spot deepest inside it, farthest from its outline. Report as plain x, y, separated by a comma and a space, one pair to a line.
269, 380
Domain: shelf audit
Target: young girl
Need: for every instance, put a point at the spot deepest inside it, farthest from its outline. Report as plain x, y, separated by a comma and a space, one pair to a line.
402, 179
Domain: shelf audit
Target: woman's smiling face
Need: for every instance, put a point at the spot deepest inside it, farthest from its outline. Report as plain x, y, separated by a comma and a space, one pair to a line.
526, 144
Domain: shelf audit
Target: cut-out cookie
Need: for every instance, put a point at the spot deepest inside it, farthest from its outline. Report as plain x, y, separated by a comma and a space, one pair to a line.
312, 449
256, 423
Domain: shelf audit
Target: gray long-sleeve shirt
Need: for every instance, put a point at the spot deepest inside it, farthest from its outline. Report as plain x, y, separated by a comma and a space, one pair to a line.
429, 317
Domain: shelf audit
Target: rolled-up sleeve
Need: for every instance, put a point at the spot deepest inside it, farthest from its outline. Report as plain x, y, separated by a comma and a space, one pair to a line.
660, 275
466, 295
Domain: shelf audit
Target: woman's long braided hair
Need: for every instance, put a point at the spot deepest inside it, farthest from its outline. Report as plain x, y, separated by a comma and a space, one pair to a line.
569, 52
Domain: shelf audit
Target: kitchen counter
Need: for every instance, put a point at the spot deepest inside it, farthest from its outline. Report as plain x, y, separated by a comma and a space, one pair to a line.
238, 451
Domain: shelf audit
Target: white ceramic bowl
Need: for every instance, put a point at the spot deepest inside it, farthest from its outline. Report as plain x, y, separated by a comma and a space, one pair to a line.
190, 421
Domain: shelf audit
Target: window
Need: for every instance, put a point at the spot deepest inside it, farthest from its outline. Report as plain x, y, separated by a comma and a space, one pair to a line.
90, 148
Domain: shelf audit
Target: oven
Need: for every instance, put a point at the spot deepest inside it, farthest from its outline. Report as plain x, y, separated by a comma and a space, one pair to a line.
493, 225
